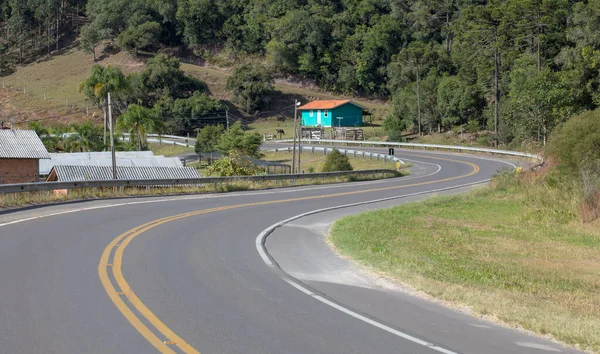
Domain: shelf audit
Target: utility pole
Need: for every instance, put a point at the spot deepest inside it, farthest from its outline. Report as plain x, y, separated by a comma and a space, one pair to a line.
295, 135
112, 139
104, 110
299, 143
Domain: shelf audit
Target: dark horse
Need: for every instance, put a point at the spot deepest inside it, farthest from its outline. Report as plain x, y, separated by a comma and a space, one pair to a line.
280, 132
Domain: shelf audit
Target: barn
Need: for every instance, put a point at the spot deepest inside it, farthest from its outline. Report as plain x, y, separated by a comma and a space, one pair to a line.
332, 113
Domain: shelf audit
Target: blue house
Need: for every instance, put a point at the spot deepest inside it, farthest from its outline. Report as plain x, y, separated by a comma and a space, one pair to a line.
331, 113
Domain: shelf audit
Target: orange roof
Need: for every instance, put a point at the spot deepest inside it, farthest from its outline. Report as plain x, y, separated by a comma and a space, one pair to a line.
323, 104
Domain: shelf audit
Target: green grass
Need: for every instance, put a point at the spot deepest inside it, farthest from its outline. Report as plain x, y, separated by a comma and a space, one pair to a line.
316, 161
169, 149
493, 251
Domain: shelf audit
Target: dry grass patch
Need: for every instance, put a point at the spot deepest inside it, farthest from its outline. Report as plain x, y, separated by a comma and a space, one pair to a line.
14, 200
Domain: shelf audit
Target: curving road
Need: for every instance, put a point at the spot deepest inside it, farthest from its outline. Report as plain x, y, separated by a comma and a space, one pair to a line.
185, 274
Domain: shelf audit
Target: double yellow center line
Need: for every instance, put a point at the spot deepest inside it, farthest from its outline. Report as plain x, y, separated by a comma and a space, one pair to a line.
119, 291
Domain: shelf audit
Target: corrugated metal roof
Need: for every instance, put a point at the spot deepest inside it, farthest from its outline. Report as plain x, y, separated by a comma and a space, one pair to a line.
323, 104
99, 173
21, 144
124, 158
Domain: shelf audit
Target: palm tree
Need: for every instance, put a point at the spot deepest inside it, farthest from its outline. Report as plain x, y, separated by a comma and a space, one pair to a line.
139, 121
85, 138
102, 81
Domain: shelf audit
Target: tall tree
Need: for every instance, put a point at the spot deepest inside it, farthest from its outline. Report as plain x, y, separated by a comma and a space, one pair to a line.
138, 121
251, 86
485, 32
101, 82
539, 101
415, 58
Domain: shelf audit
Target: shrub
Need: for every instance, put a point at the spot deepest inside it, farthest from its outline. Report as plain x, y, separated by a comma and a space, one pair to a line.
336, 162
237, 141
234, 165
472, 126
576, 142
484, 140
207, 138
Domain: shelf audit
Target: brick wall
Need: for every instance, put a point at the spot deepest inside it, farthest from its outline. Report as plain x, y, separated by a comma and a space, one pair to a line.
19, 170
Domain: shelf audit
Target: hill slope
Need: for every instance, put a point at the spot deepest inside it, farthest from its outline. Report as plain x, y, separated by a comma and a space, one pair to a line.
42, 90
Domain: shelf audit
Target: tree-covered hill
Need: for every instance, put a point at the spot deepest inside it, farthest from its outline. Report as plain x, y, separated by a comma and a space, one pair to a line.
518, 66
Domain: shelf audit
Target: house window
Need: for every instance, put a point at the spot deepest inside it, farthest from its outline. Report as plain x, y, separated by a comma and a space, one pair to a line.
311, 112
326, 113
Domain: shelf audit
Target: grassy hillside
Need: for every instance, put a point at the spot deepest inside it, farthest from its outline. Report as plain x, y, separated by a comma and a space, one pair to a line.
49, 84
57, 79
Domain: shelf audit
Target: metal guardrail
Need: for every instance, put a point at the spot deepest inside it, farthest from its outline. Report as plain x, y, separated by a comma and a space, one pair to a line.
46, 186
190, 142
355, 153
423, 146
170, 141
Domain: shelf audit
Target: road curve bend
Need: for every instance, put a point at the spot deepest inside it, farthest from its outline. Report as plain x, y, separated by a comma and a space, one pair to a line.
182, 275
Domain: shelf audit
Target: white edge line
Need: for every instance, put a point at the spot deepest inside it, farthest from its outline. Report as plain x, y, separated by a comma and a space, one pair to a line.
261, 238
262, 251
264, 254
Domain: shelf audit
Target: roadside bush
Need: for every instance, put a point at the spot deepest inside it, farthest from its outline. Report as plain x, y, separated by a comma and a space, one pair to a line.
576, 147
234, 165
576, 142
484, 140
207, 138
472, 126
394, 127
237, 141
336, 162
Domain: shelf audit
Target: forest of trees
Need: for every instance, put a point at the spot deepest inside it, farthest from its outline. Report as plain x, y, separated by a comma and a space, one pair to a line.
517, 67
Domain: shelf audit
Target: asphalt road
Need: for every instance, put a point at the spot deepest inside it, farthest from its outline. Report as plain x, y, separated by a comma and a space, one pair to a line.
91, 279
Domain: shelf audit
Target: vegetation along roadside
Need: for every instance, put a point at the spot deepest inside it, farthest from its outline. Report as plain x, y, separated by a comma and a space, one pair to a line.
525, 250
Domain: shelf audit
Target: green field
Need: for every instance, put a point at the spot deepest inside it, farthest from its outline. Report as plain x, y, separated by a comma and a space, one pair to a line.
488, 250
169, 149
315, 161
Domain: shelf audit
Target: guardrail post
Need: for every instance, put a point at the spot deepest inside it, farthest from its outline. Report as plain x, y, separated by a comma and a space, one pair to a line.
313, 150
